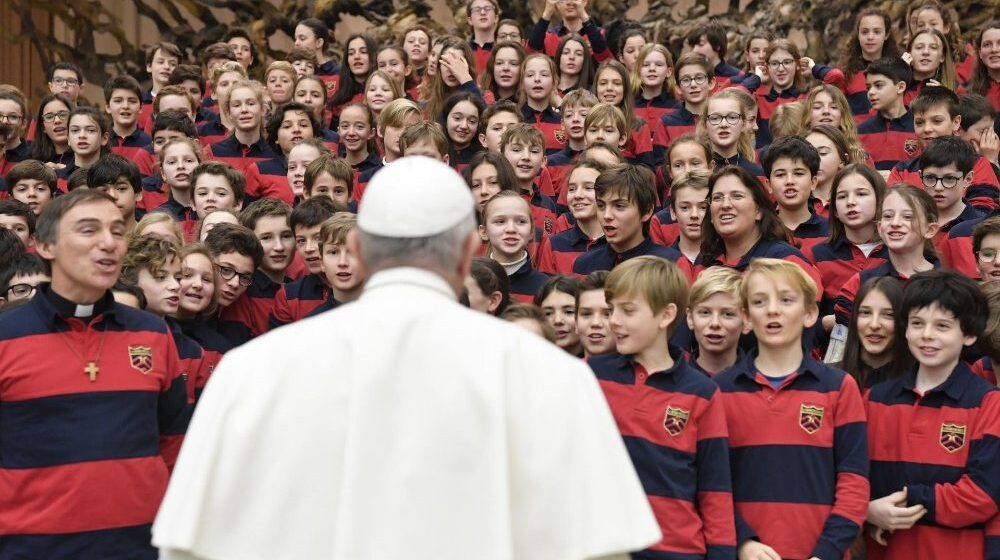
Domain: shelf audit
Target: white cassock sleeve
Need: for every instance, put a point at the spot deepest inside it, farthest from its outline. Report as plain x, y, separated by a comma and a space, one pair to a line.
172, 554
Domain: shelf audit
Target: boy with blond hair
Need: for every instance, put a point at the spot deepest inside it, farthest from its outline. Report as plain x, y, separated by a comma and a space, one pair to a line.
784, 408
669, 413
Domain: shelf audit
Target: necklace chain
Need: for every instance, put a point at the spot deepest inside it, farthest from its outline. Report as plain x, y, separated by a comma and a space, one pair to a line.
90, 366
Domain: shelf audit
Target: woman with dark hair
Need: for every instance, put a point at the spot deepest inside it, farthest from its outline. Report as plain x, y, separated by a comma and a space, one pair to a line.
743, 225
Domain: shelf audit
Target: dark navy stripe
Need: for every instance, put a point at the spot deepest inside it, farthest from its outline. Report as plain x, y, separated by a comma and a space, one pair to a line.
122, 543
838, 535
851, 448
812, 481
65, 429
987, 475
663, 471
889, 476
173, 413
713, 476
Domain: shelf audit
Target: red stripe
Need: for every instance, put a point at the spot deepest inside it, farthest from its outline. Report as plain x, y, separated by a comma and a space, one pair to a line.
925, 541
82, 496
641, 412
43, 365
790, 529
911, 433
680, 524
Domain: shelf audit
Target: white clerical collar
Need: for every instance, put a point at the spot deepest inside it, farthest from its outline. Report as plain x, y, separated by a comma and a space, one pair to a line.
83, 310
410, 276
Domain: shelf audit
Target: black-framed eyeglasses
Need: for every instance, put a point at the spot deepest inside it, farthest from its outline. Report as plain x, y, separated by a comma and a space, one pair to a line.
731, 118
987, 255
228, 272
21, 291
10, 118
787, 63
947, 181
61, 115
511, 36
481, 9
698, 80
65, 81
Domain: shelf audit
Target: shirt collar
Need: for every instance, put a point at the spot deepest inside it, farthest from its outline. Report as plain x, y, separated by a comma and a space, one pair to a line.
953, 387
420, 278
51, 305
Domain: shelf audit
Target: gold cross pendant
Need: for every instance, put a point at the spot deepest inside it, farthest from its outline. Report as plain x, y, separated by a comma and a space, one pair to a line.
92, 370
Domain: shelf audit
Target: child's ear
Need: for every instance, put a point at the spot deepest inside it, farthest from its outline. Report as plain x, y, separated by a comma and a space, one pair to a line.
138, 196
932, 230
747, 327
104, 139
956, 124
495, 299
446, 159
690, 320
812, 314
673, 215
238, 206
900, 88
970, 340
482, 234
482, 139
668, 315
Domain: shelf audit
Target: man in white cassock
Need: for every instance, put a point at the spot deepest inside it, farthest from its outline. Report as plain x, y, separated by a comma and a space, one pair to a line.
404, 425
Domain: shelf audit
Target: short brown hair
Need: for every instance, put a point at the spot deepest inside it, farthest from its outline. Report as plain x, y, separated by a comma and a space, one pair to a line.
334, 230
989, 226
174, 90
264, 208
654, 279
237, 182
338, 168
427, 129
632, 182
522, 133
168, 49
33, 170
301, 55
522, 311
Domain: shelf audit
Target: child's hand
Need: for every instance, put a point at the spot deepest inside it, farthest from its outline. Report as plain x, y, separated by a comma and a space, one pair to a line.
878, 535
754, 550
890, 512
806, 64
761, 72
550, 9
457, 65
988, 145
933, 82
907, 58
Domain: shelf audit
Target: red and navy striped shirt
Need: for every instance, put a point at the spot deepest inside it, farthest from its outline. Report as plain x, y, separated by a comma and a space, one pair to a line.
296, 299
543, 39
678, 123
889, 142
129, 146
601, 256
674, 426
943, 446
799, 456
769, 99
268, 179
185, 217
231, 151
549, 122
955, 250
856, 91
525, 282
211, 132
84, 464
764, 248
844, 304
557, 253
840, 261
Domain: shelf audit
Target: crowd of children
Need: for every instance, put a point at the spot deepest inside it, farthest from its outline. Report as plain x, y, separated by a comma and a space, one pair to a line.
785, 278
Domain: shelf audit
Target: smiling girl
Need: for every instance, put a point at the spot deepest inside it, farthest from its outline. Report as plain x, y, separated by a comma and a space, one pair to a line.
907, 225
653, 83
929, 55
507, 227
557, 299
558, 252
380, 90
986, 76
539, 100
460, 119
456, 71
